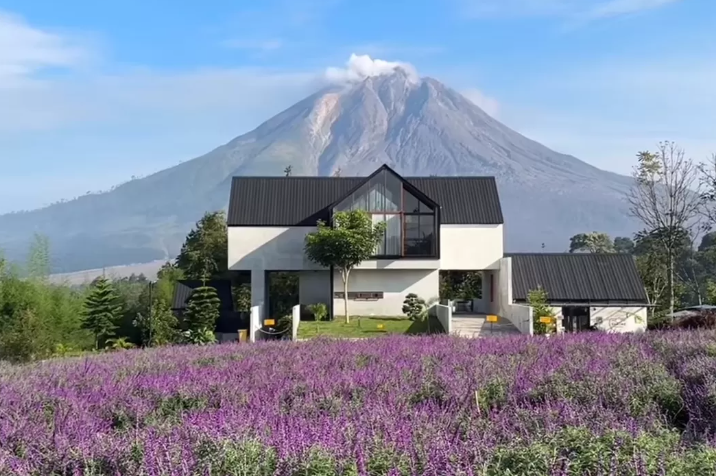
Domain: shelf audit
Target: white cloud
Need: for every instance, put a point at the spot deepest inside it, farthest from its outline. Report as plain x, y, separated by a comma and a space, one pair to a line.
25, 50
360, 67
571, 9
488, 104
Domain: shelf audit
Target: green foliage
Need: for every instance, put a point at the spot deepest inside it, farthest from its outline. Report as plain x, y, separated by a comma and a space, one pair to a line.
537, 299
283, 293
623, 244
319, 311
38, 261
26, 339
284, 324
417, 309
594, 242
199, 336
707, 241
36, 316
413, 306
119, 343
159, 326
202, 310
133, 297
101, 311
352, 239
242, 297
167, 278
460, 284
204, 253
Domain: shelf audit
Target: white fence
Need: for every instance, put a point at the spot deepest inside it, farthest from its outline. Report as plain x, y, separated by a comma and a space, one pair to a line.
444, 315
295, 321
255, 324
521, 317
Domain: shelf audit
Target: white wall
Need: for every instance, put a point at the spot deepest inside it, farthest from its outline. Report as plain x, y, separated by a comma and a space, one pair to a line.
471, 247
395, 285
444, 315
519, 315
615, 319
268, 248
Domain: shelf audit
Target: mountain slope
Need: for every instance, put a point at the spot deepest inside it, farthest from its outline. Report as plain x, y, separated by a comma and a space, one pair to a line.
418, 127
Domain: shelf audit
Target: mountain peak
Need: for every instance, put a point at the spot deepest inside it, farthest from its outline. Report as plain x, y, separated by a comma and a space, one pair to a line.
360, 68
374, 112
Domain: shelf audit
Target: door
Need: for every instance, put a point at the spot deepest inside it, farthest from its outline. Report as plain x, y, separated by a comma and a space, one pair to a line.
576, 319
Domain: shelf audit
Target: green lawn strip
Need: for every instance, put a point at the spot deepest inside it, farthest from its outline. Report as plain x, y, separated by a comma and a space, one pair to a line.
367, 327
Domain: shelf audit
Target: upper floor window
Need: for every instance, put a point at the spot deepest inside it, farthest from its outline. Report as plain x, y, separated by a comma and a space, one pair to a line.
410, 222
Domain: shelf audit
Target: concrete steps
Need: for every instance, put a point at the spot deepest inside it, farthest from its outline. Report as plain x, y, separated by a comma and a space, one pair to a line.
475, 325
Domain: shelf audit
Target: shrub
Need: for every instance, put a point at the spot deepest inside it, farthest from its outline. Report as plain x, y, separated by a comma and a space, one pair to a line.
537, 299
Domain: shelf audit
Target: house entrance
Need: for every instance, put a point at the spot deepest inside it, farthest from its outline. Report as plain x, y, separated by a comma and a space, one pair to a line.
576, 319
282, 293
462, 287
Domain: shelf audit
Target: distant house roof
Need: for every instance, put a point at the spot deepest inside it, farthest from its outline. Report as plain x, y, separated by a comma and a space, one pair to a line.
184, 289
302, 201
579, 278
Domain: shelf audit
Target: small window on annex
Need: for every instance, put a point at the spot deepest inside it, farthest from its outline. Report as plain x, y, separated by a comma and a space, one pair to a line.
410, 223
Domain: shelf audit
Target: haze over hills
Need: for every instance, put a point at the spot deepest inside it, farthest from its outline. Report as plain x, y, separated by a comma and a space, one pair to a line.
418, 126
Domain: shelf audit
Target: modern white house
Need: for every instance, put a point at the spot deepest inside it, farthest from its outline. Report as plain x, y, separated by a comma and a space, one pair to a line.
433, 224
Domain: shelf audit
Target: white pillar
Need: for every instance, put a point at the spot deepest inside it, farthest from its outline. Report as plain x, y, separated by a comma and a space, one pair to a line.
255, 324
295, 321
258, 288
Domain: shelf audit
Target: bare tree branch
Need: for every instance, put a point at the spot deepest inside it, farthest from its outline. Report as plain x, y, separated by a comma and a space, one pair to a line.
667, 197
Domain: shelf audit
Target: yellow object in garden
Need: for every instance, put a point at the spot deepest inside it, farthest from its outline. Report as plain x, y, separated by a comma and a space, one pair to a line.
546, 319
269, 322
243, 335
491, 318
381, 326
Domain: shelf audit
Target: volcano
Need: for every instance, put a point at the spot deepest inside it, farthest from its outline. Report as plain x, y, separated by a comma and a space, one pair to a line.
417, 126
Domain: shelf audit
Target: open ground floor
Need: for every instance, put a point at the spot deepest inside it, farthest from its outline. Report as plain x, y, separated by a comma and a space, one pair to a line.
585, 292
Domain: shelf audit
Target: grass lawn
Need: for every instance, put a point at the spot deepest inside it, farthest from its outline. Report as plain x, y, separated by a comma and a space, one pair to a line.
367, 327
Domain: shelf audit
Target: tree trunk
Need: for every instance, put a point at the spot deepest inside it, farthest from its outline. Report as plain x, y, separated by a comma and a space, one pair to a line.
344, 274
670, 255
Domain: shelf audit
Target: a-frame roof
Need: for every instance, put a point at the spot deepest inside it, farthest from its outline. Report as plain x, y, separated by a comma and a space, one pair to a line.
407, 185
302, 201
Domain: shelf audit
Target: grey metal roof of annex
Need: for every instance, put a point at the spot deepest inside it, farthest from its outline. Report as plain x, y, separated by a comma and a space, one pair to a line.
302, 201
586, 278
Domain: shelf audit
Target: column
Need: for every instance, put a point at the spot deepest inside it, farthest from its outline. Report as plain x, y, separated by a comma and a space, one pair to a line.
258, 289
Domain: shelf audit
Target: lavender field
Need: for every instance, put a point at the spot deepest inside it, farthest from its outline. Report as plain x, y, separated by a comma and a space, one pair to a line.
591, 404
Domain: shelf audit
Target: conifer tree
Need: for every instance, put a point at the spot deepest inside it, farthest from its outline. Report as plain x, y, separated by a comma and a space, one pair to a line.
102, 311
202, 311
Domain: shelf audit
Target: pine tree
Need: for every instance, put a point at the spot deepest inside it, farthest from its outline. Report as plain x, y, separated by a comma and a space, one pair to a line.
101, 311
202, 310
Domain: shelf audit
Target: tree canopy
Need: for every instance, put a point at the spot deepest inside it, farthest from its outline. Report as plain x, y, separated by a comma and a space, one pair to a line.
352, 239
204, 253
594, 242
102, 311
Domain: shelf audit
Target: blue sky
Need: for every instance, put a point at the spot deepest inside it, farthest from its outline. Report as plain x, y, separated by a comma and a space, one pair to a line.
92, 93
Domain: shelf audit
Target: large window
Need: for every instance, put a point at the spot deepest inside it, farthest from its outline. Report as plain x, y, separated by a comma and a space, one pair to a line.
410, 223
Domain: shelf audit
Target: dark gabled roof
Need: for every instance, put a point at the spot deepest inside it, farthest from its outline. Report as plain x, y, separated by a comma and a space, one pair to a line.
578, 277
301, 201
184, 289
